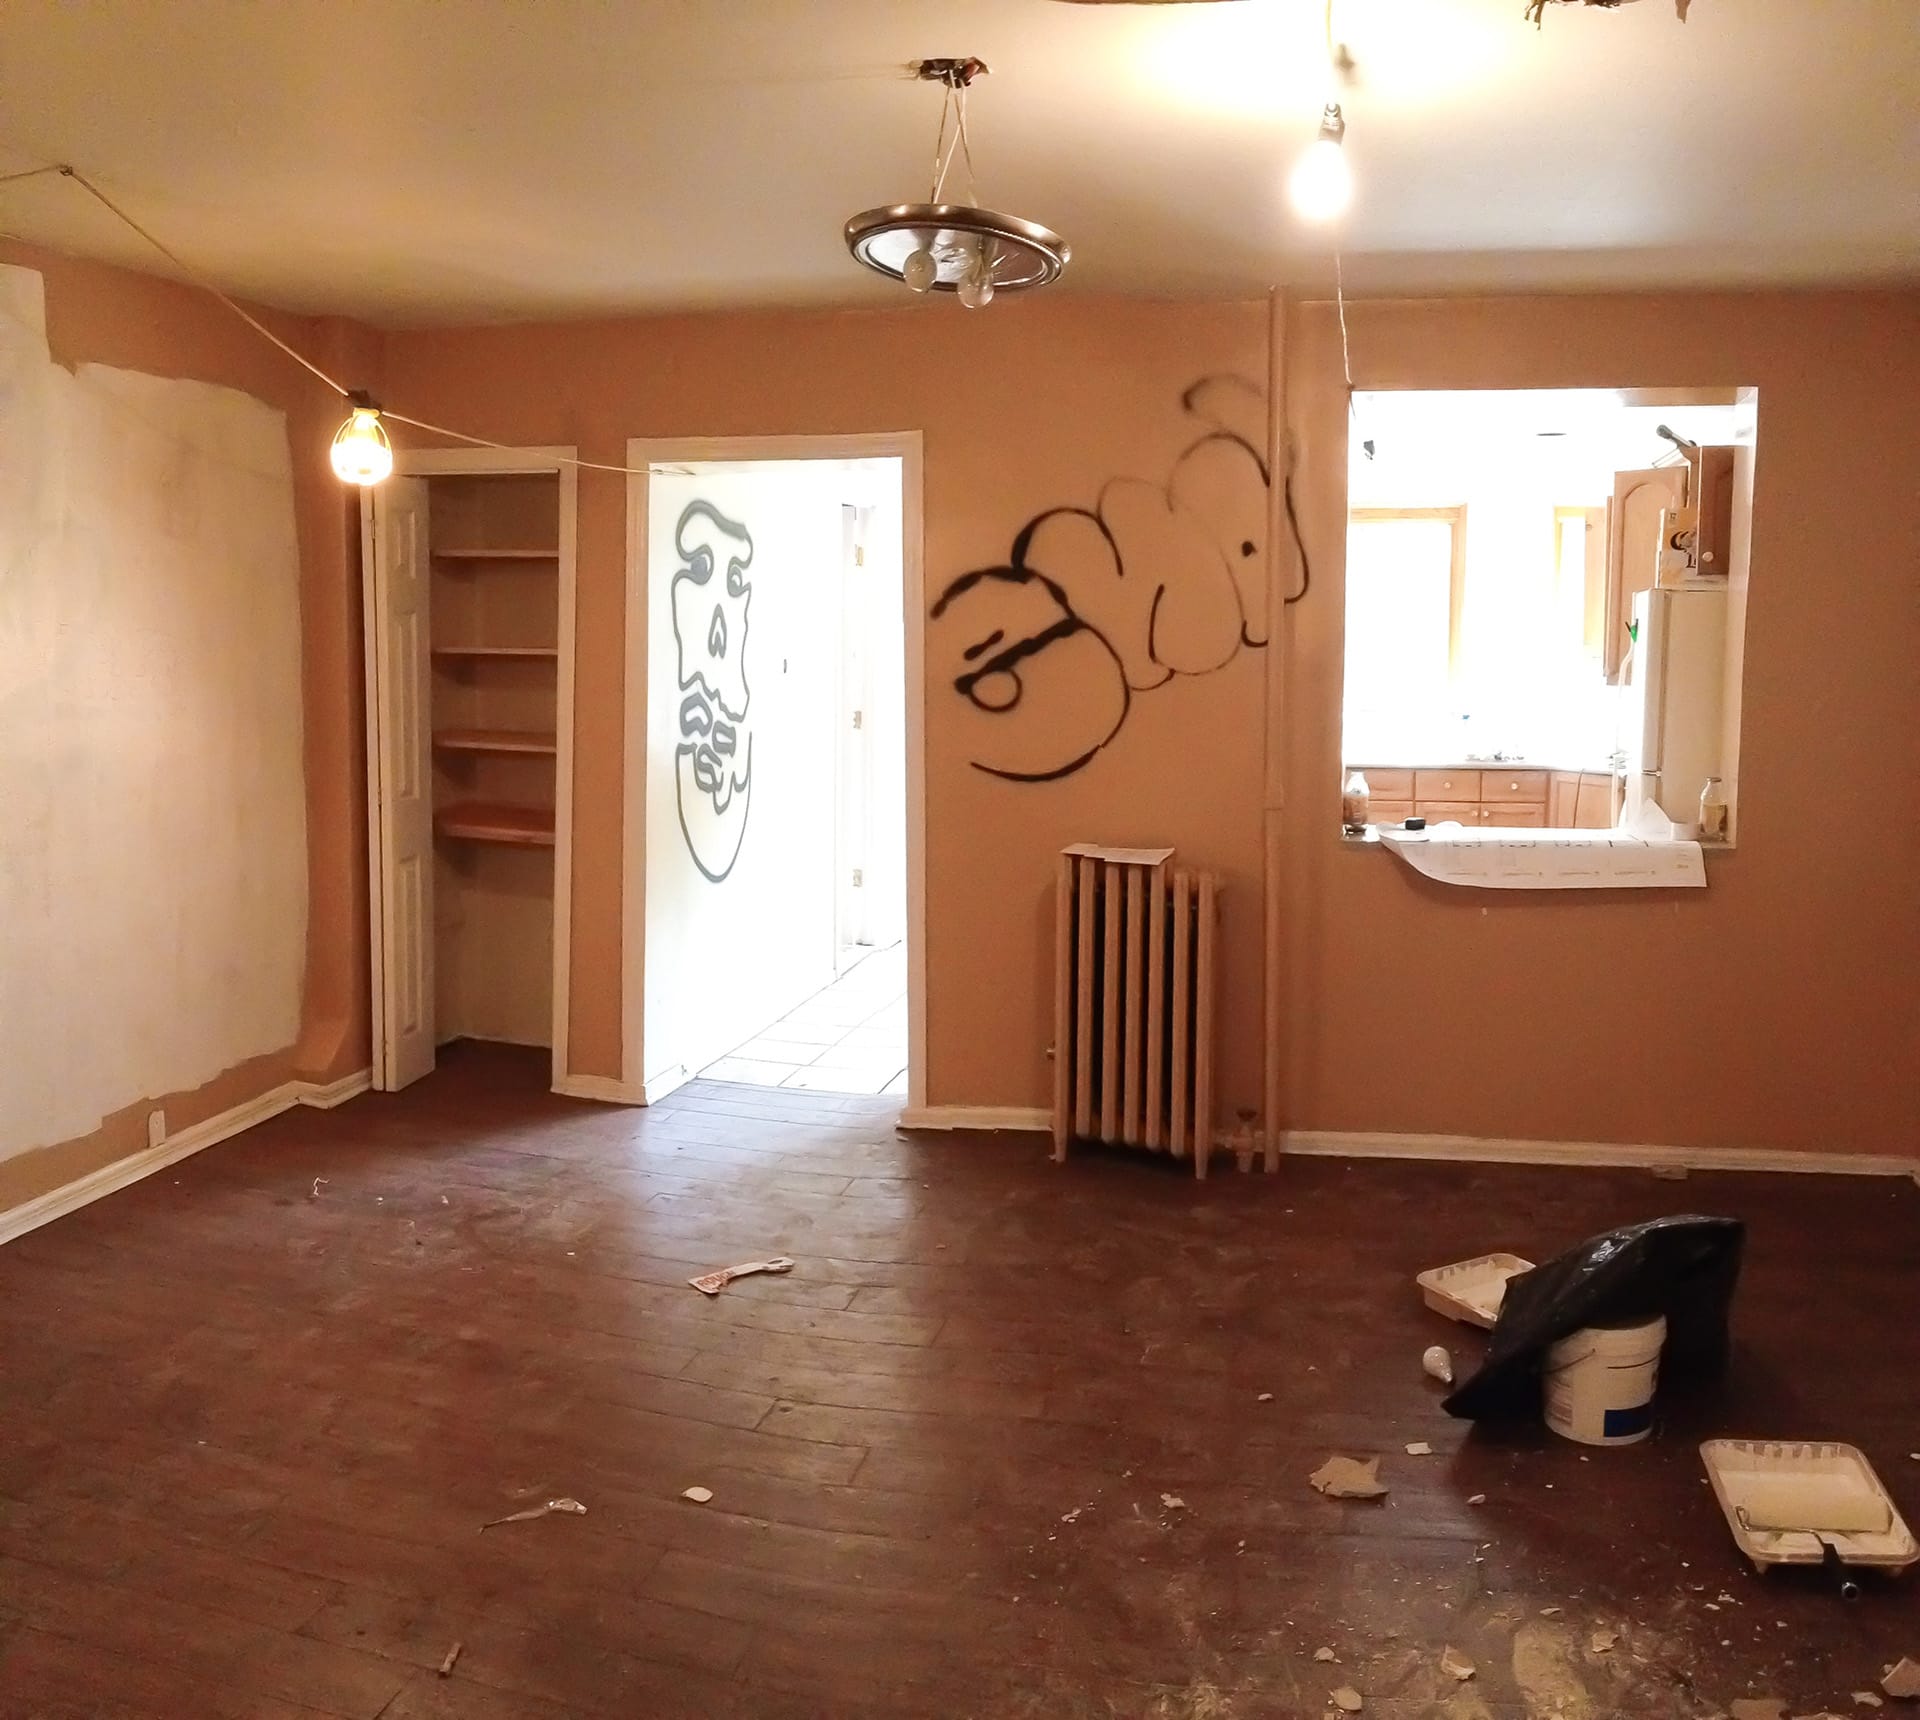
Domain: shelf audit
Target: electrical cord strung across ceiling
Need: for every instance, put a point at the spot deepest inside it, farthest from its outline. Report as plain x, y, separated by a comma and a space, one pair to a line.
253, 322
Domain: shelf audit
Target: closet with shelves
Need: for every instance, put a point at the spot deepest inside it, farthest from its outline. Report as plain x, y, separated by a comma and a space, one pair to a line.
493, 549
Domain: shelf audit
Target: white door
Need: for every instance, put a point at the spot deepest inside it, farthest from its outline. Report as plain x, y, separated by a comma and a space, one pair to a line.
402, 816
854, 718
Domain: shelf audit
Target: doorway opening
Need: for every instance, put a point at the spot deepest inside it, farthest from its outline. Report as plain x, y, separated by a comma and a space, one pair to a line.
468, 569
776, 795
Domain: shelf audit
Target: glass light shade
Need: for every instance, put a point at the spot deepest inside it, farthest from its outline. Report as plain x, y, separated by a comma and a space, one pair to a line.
1321, 184
361, 453
920, 270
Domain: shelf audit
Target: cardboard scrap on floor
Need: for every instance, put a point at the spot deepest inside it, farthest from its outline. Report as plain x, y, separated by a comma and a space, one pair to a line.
1324, 1654
1867, 1699
699, 1495
564, 1507
1758, 1708
1456, 1665
1902, 1680
453, 1654
712, 1283
1347, 1699
1419, 1448
1602, 1641
1349, 1478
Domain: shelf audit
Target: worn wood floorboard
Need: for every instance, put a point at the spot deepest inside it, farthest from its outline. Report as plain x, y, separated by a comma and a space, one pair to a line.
254, 1410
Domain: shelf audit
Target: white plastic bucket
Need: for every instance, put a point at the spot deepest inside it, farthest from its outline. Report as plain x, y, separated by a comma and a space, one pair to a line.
1600, 1382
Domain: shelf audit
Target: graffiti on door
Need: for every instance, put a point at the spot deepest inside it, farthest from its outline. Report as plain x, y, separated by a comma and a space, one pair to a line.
713, 762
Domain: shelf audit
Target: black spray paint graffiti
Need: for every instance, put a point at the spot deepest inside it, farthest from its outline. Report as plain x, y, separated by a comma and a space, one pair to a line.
713, 764
1094, 605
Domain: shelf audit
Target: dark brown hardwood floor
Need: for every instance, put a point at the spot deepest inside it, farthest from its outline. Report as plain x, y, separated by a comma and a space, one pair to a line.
996, 1447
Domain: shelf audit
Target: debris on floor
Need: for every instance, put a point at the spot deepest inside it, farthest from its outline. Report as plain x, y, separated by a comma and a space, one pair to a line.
1456, 1665
1867, 1699
1172, 1502
1902, 1680
1072, 1516
565, 1507
1325, 1654
1349, 1478
453, 1654
1476, 1498
1758, 1708
318, 1184
699, 1495
712, 1283
1437, 1362
1264, 1397
1419, 1448
1671, 1173
1347, 1699
1602, 1641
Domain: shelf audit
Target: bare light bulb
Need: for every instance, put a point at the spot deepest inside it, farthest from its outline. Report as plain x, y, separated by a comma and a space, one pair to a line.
361, 453
919, 271
976, 290
1321, 184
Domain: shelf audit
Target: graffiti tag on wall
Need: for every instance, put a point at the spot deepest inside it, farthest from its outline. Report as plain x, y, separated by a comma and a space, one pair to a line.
713, 763
1094, 606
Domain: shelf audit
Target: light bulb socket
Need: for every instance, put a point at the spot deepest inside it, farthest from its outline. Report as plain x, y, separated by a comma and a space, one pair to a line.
361, 401
1333, 125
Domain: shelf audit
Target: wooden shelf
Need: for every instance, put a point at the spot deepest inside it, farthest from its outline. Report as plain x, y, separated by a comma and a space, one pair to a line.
530, 553
495, 740
551, 652
491, 821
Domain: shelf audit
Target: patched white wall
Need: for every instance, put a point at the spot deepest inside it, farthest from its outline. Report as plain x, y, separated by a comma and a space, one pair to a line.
153, 850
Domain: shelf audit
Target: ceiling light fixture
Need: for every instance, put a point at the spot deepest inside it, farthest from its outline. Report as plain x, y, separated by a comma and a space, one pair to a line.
1321, 184
957, 248
361, 453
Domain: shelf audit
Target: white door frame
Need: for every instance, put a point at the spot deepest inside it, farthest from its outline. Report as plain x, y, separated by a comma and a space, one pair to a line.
642, 453
444, 462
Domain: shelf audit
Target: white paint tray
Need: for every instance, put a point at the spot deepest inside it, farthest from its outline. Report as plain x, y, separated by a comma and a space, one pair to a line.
1788, 1500
1471, 1290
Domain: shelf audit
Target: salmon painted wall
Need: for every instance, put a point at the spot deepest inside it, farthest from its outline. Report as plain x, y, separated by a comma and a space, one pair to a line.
1028, 407
133, 321
1777, 1008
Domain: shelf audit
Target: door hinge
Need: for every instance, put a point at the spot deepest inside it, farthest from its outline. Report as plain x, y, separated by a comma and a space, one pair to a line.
859, 878
859, 555
859, 719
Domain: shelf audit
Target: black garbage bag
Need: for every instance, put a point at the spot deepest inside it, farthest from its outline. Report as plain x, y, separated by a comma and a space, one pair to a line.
1684, 1267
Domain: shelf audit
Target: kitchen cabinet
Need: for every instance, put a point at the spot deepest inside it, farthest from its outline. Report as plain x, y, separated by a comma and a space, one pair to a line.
1518, 797
1581, 800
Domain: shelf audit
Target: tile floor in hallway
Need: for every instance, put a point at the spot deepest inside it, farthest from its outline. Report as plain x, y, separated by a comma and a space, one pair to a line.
849, 1038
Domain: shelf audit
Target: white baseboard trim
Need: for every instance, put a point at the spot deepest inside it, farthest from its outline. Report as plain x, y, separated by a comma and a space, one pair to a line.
324, 1095
1024, 1119
603, 1088
122, 1173
1481, 1149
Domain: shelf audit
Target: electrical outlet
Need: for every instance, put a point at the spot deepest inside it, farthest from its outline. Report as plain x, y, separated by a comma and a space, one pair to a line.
156, 1128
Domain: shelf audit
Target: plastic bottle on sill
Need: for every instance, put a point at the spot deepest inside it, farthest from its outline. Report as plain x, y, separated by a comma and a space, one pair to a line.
1713, 811
1353, 801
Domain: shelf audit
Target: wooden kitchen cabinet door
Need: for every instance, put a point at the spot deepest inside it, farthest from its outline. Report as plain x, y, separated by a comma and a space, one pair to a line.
1594, 808
1563, 800
1633, 548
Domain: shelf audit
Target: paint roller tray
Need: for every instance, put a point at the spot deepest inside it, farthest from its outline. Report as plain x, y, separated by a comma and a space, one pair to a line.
1787, 1500
1471, 1290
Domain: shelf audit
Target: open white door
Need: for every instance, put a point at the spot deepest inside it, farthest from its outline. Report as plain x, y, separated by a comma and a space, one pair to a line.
402, 813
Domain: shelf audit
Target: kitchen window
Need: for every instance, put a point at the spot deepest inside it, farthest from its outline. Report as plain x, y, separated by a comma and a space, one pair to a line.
1543, 597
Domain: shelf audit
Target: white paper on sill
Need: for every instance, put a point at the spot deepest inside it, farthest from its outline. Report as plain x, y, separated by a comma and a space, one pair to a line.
1549, 859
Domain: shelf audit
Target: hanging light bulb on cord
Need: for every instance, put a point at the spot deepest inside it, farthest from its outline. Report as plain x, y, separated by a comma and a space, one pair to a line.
361, 453
1321, 184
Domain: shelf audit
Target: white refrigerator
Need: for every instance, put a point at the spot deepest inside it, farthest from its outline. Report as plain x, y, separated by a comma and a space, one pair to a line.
1673, 703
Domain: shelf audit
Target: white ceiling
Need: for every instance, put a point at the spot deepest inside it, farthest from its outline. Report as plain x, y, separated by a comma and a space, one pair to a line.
414, 161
